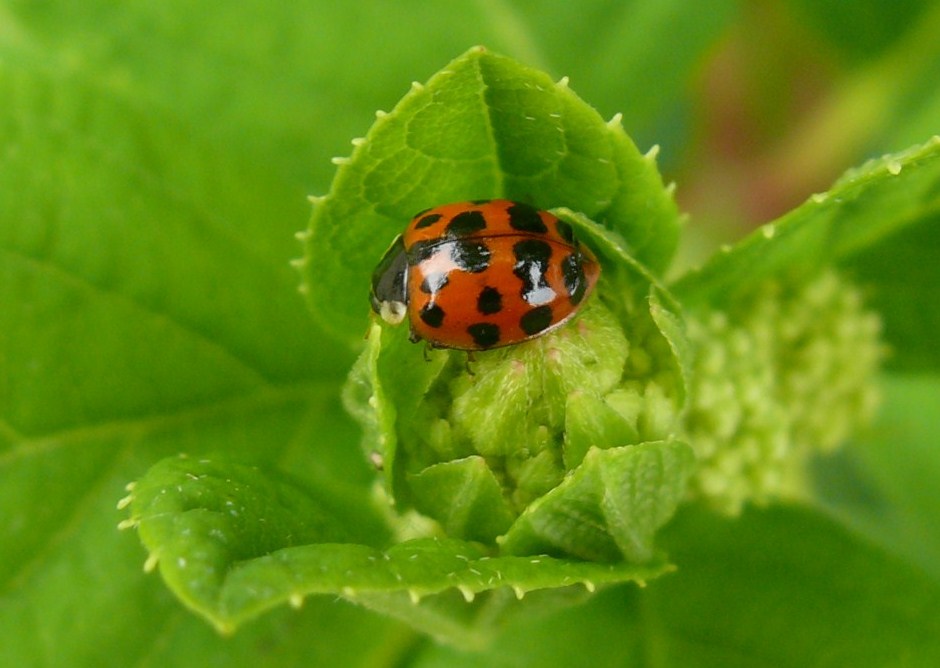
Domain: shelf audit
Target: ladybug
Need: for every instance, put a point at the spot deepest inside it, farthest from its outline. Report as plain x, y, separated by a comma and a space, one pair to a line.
483, 274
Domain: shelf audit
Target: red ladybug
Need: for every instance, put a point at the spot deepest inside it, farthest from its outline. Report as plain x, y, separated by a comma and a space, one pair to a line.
483, 274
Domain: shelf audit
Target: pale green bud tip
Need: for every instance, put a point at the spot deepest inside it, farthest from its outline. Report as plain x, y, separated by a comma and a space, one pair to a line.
789, 373
533, 410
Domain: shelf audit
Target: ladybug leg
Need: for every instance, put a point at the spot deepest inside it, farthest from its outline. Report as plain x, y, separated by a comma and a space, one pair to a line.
468, 361
426, 350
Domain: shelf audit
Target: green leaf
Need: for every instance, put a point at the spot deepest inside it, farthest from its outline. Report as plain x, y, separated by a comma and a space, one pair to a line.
885, 485
484, 126
901, 275
465, 497
609, 508
146, 307
879, 222
862, 209
233, 541
591, 422
780, 586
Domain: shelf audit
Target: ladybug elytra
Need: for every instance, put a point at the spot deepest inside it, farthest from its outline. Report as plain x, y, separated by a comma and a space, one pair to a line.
483, 274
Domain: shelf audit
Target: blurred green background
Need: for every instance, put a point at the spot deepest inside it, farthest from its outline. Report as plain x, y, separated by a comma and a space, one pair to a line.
755, 104
155, 158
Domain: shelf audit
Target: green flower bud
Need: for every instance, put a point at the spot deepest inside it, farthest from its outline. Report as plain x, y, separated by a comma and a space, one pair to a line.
779, 377
499, 447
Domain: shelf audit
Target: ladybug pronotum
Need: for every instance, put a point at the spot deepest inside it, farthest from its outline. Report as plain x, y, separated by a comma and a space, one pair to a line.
483, 274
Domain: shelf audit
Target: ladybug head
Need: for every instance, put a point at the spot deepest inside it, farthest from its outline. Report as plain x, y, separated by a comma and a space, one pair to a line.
389, 296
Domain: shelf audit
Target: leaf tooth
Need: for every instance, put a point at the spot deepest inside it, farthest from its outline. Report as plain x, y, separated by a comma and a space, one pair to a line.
296, 601
316, 199
819, 198
590, 586
129, 523
467, 593
348, 592
303, 289
414, 596
150, 563
671, 188
339, 160
417, 85
894, 167
518, 591
380, 113
298, 263
563, 82
303, 236
125, 502
769, 230
131, 486
653, 153
616, 121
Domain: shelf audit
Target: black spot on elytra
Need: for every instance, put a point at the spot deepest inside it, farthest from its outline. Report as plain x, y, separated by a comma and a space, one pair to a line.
434, 283
422, 250
471, 256
485, 334
536, 320
465, 223
565, 231
532, 257
489, 301
572, 269
526, 218
427, 221
432, 315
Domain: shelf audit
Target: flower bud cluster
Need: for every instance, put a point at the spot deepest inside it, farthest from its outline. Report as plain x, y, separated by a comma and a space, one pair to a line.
783, 375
